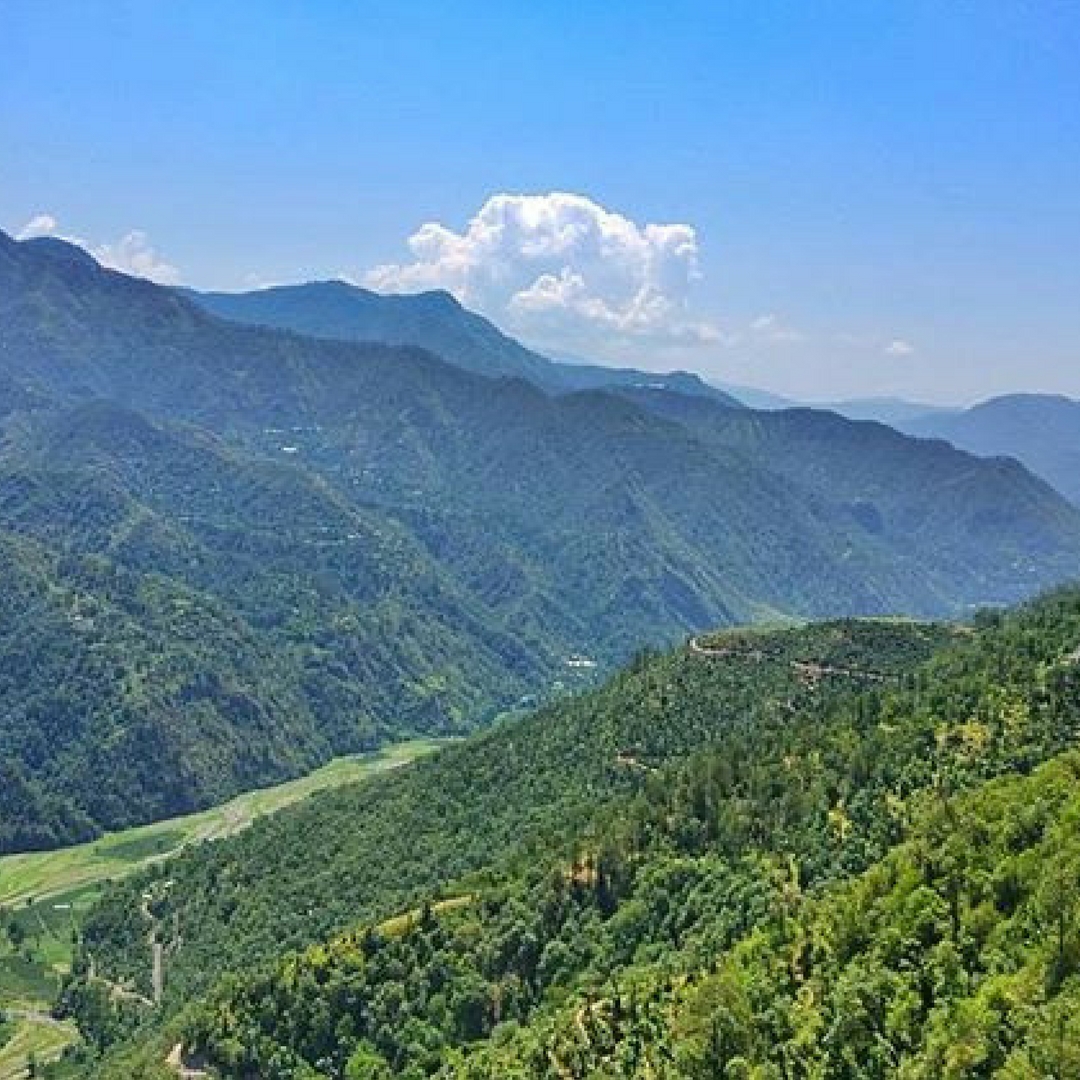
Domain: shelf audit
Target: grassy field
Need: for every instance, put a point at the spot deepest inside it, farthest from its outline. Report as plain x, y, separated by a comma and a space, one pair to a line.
40, 875
44, 894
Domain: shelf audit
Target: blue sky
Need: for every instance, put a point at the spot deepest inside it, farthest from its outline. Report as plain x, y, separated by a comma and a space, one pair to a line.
844, 198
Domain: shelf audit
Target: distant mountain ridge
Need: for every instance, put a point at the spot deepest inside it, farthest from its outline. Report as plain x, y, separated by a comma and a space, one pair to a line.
894, 411
435, 321
1042, 431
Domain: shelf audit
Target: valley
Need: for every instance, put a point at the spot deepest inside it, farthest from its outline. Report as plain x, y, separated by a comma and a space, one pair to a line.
43, 875
539, 541
44, 896
258, 580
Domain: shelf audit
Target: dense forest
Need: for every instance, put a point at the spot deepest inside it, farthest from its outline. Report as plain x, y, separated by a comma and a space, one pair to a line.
195, 624
844, 850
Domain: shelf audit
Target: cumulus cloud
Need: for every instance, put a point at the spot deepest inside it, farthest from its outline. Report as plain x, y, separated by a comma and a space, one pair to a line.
131, 254
134, 254
899, 347
562, 268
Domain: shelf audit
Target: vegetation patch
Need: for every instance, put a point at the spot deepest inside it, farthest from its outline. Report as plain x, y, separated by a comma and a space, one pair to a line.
158, 842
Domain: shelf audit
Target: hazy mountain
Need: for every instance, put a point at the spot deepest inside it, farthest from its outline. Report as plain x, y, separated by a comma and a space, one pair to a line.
893, 411
754, 398
1040, 430
430, 320
896, 412
928, 504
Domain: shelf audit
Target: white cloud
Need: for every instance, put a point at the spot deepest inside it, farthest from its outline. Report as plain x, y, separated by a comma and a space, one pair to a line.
131, 254
561, 268
134, 254
771, 328
38, 225
899, 347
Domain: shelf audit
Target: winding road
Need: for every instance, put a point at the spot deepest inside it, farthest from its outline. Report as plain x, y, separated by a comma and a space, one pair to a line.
808, 669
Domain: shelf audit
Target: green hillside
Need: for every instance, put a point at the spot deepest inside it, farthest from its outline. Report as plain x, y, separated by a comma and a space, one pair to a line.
384, 847
162, 628
44, 896
634, 842
111, 673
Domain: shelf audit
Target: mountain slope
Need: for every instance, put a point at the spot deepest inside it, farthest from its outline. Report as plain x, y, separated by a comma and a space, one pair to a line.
157, 687
353, 634
436, 321
432, 320
1042, 431
927, 503
516, 789
983, 892
757, 399
603, 935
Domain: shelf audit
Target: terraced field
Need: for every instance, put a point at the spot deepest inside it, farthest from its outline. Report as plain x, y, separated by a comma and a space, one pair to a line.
39, 1039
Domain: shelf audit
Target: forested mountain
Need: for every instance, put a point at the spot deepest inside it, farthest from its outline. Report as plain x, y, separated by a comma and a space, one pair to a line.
826, 851
111, 673
1042, 431
407, 546
193, 623
434, 321
881, 478
704, 534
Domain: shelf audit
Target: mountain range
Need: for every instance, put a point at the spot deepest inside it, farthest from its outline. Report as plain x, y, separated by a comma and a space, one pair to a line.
234, 528
435, 321
1041, 431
